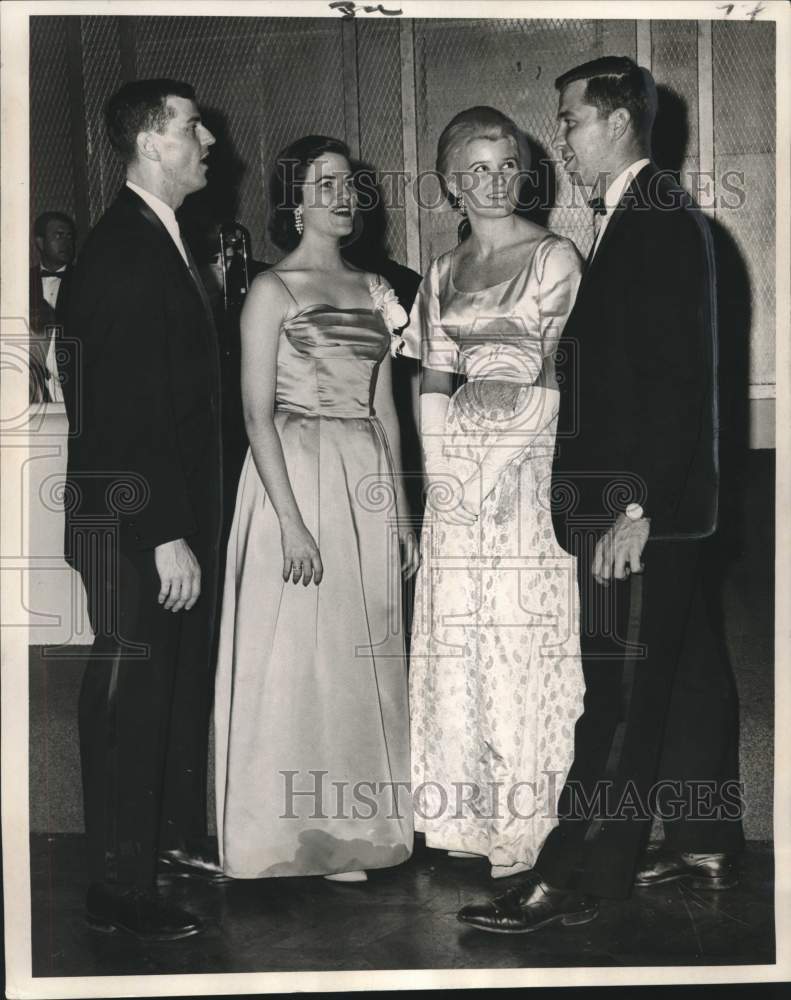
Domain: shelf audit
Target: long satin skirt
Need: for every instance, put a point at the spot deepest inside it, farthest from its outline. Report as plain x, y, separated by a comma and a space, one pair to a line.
311, 702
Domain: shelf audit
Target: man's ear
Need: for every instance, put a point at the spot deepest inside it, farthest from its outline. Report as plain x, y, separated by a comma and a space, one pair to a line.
40, 243
146, 146
618, 122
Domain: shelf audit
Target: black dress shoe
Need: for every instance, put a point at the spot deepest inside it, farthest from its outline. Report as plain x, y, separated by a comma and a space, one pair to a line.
139, 912
192, 862
700, 871
528, 907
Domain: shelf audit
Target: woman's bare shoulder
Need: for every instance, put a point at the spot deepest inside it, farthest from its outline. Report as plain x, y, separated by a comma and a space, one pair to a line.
529, 232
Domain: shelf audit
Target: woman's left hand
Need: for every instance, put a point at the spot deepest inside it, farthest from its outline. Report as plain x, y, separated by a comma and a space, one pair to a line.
410, 553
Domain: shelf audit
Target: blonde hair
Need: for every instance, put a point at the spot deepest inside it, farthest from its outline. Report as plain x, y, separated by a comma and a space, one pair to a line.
481, 122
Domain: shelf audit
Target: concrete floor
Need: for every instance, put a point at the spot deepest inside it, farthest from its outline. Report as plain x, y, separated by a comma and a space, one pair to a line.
403, 918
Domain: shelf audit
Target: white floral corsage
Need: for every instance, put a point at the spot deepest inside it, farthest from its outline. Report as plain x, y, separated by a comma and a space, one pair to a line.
393, 313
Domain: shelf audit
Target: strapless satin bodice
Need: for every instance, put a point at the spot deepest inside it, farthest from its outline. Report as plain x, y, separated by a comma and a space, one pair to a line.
327, 359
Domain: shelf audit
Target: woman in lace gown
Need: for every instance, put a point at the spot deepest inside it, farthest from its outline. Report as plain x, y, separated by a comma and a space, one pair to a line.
311, 708
495, 679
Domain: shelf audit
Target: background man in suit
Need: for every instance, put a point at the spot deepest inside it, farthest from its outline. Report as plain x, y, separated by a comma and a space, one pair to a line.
54, 234
636, 478
143, 516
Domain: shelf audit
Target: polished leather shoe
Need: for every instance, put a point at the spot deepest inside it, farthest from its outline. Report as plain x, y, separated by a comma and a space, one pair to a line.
528, 907
139, 912
700, 871
192, 862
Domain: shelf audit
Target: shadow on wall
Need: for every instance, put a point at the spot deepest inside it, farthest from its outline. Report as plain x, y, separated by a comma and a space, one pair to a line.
734, 322
724, 552
539, 192
203, 212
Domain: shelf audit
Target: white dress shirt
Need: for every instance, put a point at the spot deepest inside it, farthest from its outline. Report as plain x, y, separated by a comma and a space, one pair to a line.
50, 287
612, 196
164, 213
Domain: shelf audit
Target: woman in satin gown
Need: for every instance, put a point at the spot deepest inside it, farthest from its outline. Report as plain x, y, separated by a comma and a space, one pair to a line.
496, 684
311, 706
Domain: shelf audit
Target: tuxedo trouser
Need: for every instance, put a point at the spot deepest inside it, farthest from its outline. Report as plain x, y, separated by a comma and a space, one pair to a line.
144, 714
659, 730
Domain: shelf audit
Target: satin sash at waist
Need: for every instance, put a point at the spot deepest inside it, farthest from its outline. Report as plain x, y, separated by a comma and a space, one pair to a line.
326, 415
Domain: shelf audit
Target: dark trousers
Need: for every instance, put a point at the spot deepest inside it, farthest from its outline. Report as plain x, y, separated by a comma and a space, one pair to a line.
143, 716
659, 731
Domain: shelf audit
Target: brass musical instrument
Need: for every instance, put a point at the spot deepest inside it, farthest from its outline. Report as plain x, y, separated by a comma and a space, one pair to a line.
235, 258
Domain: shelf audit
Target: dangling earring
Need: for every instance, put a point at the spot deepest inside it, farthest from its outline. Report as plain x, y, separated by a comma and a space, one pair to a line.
298, 223
460, 205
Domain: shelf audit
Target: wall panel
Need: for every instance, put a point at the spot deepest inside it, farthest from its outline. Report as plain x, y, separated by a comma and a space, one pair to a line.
379, 96
301, 75
101, 78
264, 81
744, 148
52, 180
674, 64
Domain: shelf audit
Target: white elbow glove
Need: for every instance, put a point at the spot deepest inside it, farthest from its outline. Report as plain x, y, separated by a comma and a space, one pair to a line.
443, 488
433, 416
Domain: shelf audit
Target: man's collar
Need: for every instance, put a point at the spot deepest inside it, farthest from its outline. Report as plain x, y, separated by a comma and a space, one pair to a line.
616, 189
162, 209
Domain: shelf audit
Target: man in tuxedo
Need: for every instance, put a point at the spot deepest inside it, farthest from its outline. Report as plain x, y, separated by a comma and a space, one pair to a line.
143, 517
54, 235
634, 490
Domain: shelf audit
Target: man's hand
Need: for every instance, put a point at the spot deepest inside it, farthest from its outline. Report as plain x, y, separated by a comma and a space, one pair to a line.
618, 551
179, 575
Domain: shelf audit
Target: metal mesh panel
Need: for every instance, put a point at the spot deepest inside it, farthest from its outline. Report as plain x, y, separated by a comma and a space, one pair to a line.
674, 64
296, 102
101, 78
248, 77
219, 57
511, 65
51, 163
744, 87
744, 144
379, 89
617, 38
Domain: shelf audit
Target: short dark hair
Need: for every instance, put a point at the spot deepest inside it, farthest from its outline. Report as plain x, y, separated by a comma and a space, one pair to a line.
141, 106
616, 82
43, 220
285, 183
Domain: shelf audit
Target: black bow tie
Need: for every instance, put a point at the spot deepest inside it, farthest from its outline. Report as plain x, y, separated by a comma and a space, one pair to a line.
597, 206
52, 274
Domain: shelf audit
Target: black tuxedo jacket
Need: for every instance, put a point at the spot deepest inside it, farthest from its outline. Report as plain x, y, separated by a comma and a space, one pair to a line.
637, 365
41, 312
142, 386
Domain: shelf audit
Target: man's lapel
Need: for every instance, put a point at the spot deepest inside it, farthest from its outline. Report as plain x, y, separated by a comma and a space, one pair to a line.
201, 288
136, 202
191, 272
633, 196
